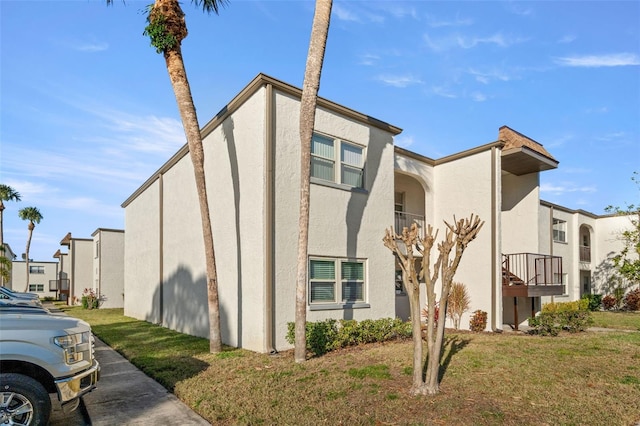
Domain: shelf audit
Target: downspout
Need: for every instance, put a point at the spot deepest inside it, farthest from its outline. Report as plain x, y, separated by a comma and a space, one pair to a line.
268, 249
494, 237
161, 250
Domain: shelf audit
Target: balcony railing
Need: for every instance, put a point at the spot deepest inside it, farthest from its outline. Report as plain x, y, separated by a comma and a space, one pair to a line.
531, 275
585, 254
403, 219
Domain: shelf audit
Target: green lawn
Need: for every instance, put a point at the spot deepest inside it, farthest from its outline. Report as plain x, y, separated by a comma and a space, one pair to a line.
506, 379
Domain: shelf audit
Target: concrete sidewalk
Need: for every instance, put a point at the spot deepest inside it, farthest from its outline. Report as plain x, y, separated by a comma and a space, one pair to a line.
126, 396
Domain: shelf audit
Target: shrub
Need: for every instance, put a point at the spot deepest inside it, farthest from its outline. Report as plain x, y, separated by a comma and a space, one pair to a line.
458, 303
632, 300
327, 335
90, 299
609, 302
544, 325
595, 300
478, 322
570, 316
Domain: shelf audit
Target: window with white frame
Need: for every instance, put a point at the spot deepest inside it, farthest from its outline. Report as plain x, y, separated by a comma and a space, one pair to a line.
36, 287
336, 281
559, 230
338, 161
36, 269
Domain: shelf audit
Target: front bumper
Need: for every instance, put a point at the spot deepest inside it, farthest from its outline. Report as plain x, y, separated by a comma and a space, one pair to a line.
72, 388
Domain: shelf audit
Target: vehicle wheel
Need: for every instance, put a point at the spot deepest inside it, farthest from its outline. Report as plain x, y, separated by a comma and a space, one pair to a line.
24, 401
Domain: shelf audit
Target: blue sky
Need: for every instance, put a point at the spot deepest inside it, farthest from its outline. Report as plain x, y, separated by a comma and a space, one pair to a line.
88, 113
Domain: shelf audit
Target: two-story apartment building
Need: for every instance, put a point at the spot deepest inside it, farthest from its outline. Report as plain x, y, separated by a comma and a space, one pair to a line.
361, 184
96, 264
42, 277
108, 267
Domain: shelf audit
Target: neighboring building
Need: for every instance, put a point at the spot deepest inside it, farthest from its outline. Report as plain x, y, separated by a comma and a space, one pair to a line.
361, 185
42, 277
587, 244
108, 267
78, 266
62, 283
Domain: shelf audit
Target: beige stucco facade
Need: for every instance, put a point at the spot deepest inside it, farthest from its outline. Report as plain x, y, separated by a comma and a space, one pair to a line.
40, 274
252, 171
589, 245
78, 266
108, 267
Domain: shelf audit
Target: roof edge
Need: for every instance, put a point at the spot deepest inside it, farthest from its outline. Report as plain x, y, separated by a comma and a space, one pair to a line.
249, 90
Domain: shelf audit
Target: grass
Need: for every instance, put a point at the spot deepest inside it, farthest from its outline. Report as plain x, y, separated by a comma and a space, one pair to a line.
617, 320
489, 379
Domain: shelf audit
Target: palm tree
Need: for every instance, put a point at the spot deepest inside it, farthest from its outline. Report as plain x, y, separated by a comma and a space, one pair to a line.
33, 215
7, 193
310, 86
167, 28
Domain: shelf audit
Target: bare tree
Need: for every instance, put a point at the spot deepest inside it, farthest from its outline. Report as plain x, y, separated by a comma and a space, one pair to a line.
310, 87
458, 236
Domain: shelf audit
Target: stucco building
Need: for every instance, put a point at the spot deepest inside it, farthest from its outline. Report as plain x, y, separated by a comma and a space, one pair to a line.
42, 276
361, 184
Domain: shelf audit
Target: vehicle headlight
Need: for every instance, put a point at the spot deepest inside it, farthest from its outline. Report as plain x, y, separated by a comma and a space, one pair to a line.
73, 345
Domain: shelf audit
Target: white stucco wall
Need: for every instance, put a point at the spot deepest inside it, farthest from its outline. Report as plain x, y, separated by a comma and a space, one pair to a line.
141, 260
81, 259
463, 187
234, 163
520, 202
19, 277
343, 223
606, 244
109, 267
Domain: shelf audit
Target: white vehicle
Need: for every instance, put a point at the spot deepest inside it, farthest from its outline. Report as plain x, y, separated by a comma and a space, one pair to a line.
41, 353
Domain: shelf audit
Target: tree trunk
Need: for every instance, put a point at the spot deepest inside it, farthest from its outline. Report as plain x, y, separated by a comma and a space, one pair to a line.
178, 77
31, 226
416, 331
310, 87
2, 252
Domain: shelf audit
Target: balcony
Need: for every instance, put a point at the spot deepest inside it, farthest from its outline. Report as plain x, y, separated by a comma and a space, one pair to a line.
531, 275
585, 254
403, 219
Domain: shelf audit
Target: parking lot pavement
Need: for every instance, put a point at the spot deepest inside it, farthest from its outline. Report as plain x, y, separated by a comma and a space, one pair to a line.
126, 396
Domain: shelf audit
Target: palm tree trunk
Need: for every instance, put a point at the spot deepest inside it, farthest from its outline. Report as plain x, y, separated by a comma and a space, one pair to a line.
178, 77
310, 87
2, 253
31, 226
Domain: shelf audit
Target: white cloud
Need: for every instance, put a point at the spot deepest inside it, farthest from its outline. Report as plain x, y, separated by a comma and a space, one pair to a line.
433, 22
343, 14
469, 42
478, 97
91, 47
369, 59
443, 92
600, 110
399, 80
569, 38
485, 77
595, 61
565, 188
404, 141
497, 39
